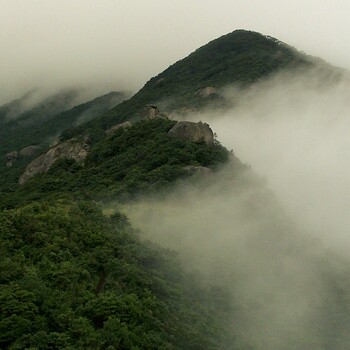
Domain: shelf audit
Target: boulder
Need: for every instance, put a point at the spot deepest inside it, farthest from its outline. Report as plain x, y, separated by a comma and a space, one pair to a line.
12, 156
194, 132
198, 170
71, 149
206, 92
115, 127
28, 151
150, 112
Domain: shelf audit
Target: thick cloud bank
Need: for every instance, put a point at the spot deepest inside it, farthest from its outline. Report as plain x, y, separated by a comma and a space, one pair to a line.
276, 246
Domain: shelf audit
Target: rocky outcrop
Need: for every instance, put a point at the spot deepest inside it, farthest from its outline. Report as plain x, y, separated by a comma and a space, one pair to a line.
152, 112
11, 157
71, 149
194, 132
28, 151
160, 82
206, 92
116, 127
198, 170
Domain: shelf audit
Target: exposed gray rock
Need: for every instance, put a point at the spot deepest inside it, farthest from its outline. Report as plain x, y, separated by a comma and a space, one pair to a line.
115, 127
206, 92
12, 156
71, 149
150, 112
198, 170
28, 151
194, 132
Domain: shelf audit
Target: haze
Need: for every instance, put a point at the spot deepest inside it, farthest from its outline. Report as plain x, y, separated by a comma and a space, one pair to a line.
281, 255
121, 44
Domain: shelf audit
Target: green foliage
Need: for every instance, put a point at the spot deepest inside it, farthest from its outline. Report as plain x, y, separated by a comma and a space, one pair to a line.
240, 58
41, 124
71, 278
132, 162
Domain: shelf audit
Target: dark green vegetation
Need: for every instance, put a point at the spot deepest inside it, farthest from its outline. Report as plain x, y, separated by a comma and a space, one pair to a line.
135, 161
240, 58
74, 279
41, 125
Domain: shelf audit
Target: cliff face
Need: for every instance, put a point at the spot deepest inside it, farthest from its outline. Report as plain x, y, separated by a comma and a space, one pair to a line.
71, 149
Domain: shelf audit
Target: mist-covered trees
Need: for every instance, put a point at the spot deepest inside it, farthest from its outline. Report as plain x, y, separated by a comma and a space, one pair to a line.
73, 279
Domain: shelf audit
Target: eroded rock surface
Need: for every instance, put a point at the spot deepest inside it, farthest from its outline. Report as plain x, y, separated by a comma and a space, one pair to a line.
11, 157
152, 112
71, 149
194, 132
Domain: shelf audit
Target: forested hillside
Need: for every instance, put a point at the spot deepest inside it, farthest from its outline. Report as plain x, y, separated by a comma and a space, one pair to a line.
26, 131
76, 274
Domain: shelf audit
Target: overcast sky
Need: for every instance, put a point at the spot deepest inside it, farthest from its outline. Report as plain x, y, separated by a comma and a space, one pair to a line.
116, 44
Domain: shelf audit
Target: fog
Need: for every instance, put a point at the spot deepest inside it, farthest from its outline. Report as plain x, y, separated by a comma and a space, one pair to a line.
276, 240
119, 44
294, 130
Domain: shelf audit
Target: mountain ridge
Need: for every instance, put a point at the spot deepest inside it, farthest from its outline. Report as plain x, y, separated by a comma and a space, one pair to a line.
75, 274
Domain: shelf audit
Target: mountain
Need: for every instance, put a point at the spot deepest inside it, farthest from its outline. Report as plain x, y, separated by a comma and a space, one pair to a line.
27, 129
241, 57
75, 273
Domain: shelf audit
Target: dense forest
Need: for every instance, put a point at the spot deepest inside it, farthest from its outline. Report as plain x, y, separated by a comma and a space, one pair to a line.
75, 272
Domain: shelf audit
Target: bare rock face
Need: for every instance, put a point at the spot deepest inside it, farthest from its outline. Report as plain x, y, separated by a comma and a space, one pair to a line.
115, 127
28, 151
11, 157
150, 112
194, 132
206, 92
71, 149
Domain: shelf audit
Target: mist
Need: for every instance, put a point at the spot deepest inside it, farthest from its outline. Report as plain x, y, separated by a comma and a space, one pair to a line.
294, 130
274, 236
112, 45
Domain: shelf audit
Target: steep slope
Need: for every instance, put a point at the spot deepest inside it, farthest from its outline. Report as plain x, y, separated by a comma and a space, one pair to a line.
48, 118
241, 58
72, 276
140, 159
31, 131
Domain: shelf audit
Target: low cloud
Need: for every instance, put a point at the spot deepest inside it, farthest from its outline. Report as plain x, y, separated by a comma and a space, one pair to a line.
276, 241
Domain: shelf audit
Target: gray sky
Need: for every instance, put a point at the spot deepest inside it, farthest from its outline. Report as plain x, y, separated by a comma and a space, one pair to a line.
123, 43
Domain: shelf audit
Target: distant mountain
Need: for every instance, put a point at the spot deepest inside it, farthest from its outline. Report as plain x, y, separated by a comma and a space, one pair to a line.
39, 125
